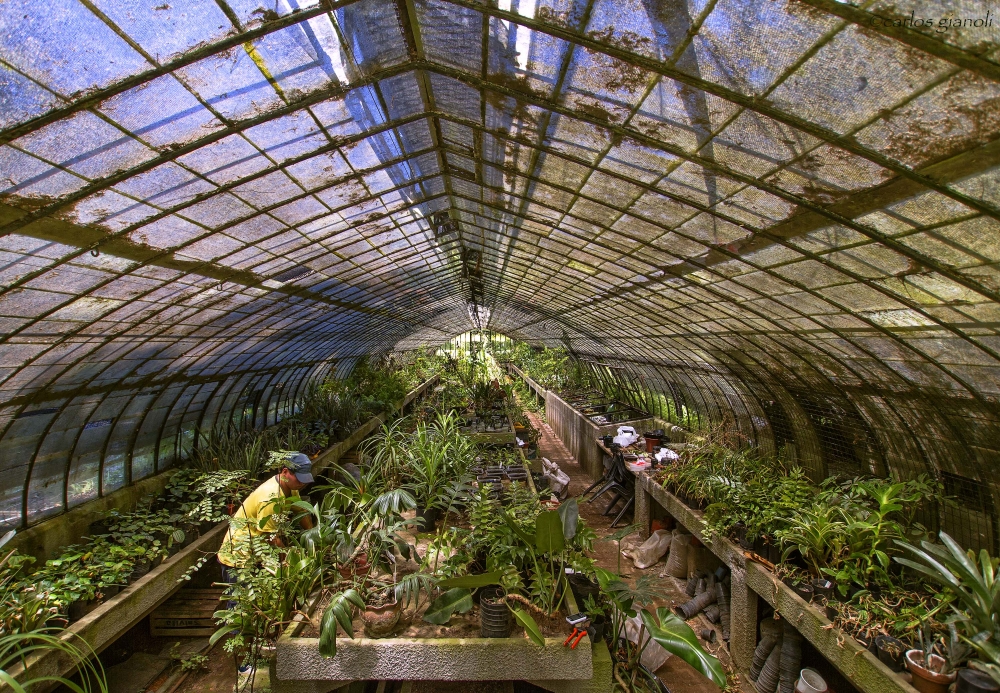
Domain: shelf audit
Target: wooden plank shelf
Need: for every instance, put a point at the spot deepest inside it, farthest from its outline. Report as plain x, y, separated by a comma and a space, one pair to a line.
113, 618
187, 614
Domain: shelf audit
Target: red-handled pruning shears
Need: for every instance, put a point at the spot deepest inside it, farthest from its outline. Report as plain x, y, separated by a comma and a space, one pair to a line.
579, 623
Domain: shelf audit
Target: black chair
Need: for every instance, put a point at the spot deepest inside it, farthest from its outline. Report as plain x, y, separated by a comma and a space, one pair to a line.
621, 483
623, 487
608, 464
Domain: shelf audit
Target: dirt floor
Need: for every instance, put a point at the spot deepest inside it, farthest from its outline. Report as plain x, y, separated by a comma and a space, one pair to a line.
678, 675
220, 673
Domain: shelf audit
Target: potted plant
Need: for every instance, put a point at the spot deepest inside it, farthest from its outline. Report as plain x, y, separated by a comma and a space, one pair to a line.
382, 609
976, 590
620, 602
932, 672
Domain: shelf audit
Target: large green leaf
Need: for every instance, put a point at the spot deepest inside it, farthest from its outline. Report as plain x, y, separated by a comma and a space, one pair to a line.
473, 581
549, 532
676, 637
569, 513
605, 577
530, 627
339, 611
441, 609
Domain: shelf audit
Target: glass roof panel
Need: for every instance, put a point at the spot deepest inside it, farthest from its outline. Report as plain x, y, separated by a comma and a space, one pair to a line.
742, 182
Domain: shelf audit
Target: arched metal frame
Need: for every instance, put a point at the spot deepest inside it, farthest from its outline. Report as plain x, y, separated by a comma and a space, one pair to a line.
742, 231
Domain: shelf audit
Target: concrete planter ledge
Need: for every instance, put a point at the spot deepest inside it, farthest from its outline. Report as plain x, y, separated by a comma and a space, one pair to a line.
751, 579
438, 659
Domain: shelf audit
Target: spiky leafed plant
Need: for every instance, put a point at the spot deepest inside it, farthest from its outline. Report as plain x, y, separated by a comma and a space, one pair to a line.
976, 588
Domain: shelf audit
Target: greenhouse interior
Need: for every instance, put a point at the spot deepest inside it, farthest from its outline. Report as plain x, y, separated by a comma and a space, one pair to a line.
499, 346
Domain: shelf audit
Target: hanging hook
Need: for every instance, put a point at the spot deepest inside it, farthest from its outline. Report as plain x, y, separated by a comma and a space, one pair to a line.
94, 252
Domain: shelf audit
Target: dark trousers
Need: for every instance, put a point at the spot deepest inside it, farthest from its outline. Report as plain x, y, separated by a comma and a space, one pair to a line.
228, 577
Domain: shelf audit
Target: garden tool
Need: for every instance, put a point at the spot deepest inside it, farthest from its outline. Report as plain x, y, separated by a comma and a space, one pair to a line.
579, 623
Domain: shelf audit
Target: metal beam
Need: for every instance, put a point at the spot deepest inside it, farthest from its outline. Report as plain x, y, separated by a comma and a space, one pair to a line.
749, 102
915, 39
721, 170
108, 181
99, 95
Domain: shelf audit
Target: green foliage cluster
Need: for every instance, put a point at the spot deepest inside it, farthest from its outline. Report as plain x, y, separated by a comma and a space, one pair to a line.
553, 369
843, 530
327, 414
31, 598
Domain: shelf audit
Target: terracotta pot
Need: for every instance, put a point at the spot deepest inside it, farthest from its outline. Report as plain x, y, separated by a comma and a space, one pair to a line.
651, 443
358, 567
927, 680
381, 620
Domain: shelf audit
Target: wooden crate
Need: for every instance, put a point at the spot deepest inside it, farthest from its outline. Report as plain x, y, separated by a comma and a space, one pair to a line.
187, 614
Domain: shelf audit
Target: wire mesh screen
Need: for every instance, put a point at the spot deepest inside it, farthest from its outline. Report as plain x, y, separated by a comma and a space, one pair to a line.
970, 517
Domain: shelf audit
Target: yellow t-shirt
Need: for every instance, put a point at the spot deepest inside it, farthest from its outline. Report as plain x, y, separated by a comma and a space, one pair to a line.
245, 522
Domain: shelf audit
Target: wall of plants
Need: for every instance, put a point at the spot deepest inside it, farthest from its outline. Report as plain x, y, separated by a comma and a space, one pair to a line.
865, 549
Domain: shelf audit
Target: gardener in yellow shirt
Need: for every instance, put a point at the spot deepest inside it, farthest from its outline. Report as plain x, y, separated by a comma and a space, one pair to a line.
248, 522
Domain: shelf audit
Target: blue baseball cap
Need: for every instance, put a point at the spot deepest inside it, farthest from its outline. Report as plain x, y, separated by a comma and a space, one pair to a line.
301, 466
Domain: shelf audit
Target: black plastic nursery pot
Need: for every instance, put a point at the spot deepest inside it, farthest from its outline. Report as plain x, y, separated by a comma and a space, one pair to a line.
740, 533
823, 588
140, 570
972, 681
599, 624
494, 614
890, 651
78, 610
427, 518
804, 591
582, 587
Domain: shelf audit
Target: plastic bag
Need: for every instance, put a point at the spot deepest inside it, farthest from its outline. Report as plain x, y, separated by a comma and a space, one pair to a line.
652, 549
654, 656
666, 455
677, 564
626, 436
558, 479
